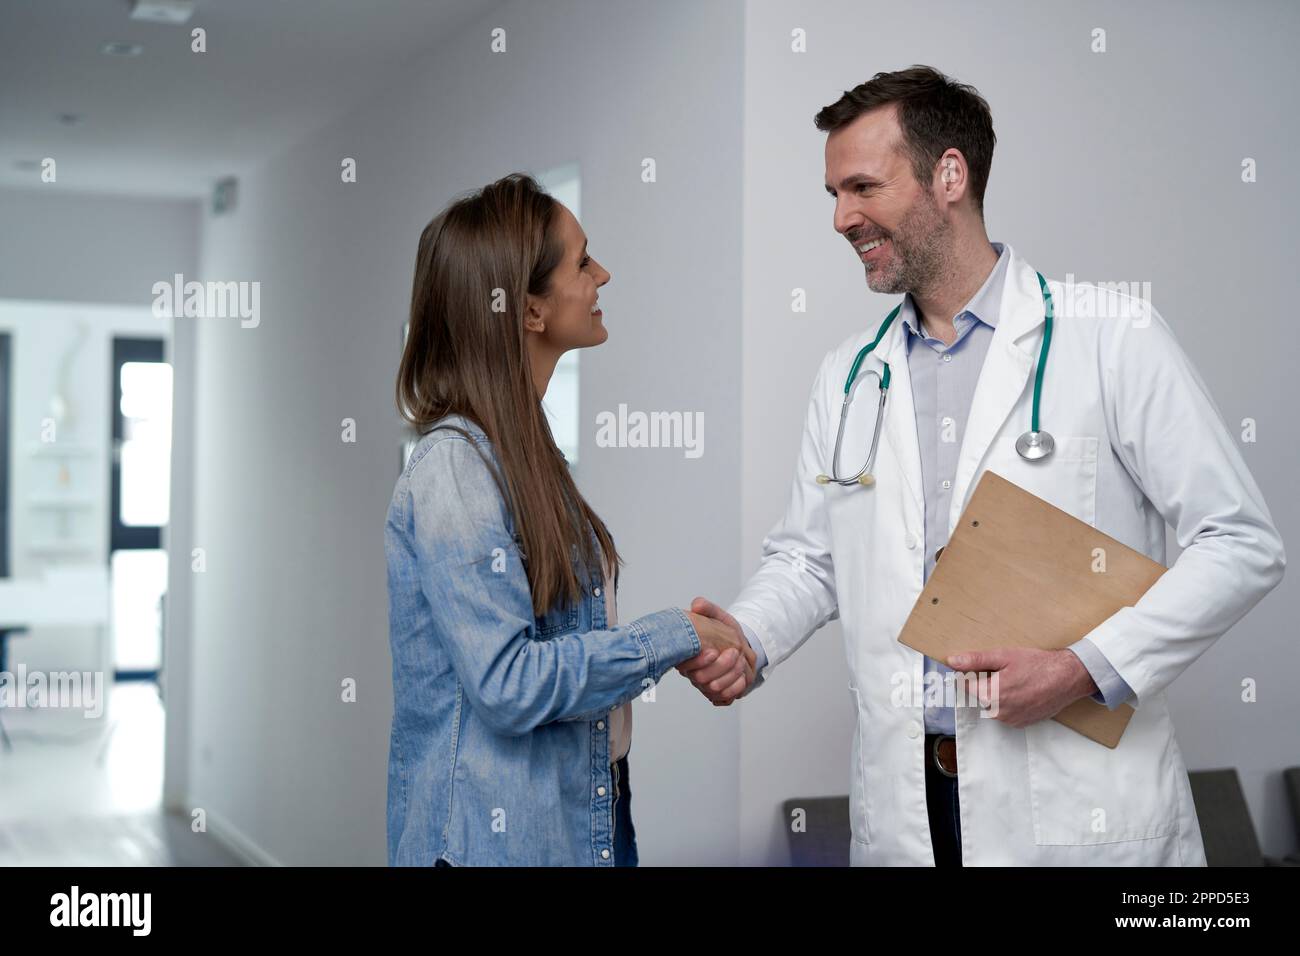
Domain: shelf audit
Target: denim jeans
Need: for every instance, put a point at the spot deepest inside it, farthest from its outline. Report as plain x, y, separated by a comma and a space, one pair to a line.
944, 813
624, 833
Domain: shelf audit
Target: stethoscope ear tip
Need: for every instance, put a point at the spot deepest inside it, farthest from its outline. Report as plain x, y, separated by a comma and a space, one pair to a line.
867, 480
823, 479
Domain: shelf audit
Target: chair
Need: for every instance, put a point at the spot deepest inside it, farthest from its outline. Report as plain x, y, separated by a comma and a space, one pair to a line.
1226, 828
823, 836
1291, 778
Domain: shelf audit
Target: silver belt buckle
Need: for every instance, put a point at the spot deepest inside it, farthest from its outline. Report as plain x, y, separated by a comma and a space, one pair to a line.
934, 755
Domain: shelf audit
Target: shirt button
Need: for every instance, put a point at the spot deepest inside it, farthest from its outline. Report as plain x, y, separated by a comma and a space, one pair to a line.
604, 854
947, 357
600, 725
911, 542
946, 484
596, 592
913, 729
945, 421
600, 791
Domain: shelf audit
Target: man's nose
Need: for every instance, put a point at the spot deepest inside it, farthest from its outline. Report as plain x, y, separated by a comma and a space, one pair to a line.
846, 218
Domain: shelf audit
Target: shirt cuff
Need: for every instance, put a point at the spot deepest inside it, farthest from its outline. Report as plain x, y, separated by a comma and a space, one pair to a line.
1112, 690
667, 638
759, 653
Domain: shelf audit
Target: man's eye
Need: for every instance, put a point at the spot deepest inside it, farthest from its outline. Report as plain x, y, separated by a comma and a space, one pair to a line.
585, 260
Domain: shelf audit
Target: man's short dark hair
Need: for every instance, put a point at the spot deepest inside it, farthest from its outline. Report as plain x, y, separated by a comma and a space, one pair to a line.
935, 114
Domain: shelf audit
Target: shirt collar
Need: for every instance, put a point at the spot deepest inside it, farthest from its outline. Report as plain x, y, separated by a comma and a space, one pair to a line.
984, 304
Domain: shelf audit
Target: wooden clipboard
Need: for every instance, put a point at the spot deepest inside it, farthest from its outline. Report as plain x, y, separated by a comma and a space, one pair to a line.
1019, 572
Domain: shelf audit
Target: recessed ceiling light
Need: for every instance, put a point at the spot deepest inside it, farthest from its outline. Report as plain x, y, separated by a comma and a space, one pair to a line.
121, 49
163, 11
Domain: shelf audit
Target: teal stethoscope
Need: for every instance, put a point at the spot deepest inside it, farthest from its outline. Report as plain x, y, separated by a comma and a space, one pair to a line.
1031, 446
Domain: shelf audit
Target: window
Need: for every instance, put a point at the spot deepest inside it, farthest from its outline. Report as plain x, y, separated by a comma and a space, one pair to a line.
561, 400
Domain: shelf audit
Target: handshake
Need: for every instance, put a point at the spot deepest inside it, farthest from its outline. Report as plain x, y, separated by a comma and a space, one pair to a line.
724, 668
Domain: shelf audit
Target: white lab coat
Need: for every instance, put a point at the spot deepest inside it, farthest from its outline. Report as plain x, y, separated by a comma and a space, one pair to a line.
1139, 442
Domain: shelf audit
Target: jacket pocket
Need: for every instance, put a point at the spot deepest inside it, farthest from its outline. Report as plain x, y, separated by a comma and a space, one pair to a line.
857, 777
1083, 793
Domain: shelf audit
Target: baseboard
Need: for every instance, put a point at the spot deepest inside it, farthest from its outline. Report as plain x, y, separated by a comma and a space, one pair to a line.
233, 839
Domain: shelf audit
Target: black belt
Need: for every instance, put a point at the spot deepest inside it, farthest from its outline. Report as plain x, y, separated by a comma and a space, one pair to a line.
941, 750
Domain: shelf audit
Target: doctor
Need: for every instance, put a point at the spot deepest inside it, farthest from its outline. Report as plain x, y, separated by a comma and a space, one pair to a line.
1136, 443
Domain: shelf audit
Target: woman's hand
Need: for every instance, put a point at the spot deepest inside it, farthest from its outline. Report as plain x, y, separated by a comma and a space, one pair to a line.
724, 668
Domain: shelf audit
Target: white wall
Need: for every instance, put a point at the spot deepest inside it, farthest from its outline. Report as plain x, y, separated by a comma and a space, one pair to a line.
294, 597
1113, 166
81, 247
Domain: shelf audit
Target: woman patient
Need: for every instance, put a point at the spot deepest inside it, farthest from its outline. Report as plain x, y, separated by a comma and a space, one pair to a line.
512, 678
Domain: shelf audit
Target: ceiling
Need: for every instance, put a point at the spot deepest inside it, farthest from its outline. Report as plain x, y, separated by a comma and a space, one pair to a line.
171, 122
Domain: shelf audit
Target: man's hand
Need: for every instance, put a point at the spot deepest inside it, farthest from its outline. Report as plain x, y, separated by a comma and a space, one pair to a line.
1032, 685
724, 668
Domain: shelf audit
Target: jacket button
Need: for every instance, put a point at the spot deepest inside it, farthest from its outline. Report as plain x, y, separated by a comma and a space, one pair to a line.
600, 725
604, 854
596, 592
600, 791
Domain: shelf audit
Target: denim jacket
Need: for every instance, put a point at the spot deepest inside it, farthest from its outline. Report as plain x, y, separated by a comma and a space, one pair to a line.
499, 751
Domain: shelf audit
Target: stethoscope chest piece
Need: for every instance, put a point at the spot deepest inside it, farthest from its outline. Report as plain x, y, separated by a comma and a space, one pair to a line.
1033, 446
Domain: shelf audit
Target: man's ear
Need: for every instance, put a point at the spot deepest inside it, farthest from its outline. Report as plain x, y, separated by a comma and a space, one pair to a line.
535, 313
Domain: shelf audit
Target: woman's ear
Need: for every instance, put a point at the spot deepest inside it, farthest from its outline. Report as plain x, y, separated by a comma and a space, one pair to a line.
535, 312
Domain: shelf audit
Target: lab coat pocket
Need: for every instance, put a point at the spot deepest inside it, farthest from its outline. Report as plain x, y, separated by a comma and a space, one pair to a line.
858, 777
1083, 793
1067, 478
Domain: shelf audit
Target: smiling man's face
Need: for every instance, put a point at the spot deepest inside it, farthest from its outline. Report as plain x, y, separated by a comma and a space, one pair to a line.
880, 207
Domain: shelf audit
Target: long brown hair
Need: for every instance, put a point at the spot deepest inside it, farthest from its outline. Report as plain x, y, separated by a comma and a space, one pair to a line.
466, 354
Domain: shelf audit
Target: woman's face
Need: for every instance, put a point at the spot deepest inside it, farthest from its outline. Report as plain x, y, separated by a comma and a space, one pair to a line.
569, 317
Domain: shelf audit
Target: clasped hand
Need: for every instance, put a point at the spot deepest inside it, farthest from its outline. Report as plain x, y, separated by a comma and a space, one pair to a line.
724, 668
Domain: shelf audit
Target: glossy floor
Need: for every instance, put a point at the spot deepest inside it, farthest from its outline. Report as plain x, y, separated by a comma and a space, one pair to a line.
87, 792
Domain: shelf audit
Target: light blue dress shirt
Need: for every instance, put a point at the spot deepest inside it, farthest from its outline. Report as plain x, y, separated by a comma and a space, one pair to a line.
943, 388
